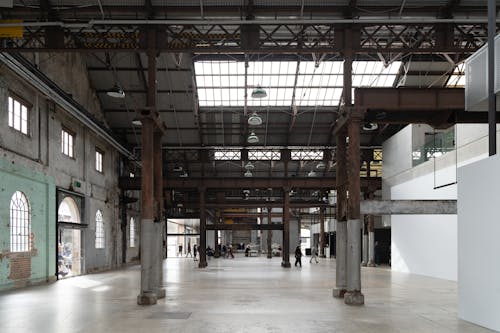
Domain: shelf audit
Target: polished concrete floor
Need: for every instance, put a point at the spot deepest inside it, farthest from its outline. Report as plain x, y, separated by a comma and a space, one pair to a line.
240, 295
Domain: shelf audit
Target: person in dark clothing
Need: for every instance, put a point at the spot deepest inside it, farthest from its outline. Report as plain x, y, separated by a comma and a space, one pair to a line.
298, 256
195, 252
377, 253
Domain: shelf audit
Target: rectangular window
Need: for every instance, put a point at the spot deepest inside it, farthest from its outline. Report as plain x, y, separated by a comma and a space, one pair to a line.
98, 160
18, 115
67, 143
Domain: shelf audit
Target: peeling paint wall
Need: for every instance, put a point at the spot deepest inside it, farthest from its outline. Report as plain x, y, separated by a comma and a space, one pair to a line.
34, 164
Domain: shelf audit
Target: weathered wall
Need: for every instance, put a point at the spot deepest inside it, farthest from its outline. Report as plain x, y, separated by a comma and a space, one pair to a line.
24, 268
40, 152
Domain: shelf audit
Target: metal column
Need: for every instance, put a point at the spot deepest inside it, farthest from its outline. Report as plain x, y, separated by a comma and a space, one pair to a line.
147, 295
159, 217
341, 216
203, 231
353, 296
286, 229
322, 231
269, 235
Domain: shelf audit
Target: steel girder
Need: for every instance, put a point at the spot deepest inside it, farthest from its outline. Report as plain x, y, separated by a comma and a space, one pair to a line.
282, 38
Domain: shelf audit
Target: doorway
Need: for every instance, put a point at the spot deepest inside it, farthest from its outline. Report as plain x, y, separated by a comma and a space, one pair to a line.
69, 239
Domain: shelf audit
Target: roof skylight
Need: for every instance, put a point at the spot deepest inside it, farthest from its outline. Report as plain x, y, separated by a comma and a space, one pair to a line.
222, 83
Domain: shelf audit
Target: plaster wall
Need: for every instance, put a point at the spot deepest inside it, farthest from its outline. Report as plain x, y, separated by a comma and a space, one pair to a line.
478, 229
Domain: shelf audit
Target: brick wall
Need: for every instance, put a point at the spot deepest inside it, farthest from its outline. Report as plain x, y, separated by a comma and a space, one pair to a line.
20, 267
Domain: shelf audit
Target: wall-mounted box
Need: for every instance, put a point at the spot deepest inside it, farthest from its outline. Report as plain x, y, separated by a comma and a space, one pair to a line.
476, 78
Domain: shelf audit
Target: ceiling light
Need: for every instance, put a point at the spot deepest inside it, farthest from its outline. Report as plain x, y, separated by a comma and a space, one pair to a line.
248, 173
370, 126
254, 119
321, 165
311, 173
258, 92
249, 166
184, 175
136, 122
252, 138
178, 168
116, 92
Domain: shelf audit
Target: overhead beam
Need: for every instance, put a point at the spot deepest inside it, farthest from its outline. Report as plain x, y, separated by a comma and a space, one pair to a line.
391, 207
247, 183
224, 36
244, 226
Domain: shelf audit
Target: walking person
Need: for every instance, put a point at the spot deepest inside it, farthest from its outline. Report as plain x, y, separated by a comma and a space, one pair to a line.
189, 251
314, 254
195, 252
180, 250
298, 256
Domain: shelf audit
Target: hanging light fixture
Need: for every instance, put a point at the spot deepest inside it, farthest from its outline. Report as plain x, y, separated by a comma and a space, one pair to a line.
252, 138
249, 166
254, 119
259, 92
184, 174
136, 122
311, 173
116, 92
370, 126
248, 173
321, 165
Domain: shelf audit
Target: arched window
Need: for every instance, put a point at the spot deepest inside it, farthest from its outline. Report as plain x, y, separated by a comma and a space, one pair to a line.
20, 223
132, 232
99, 231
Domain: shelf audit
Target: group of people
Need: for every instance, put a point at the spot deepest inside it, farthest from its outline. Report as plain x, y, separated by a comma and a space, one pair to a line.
298, 255
194, 254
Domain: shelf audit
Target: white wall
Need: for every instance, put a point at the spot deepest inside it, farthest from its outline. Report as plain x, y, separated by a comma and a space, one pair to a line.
424, 244
478, 255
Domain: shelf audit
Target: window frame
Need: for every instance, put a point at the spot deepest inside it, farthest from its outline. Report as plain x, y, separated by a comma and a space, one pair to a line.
19, 221
11, 114
131, 232
71, 134
99, 152
100, 239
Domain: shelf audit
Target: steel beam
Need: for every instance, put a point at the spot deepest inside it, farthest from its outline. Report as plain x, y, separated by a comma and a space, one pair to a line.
405, 207
247, 183
274, 36
244, 226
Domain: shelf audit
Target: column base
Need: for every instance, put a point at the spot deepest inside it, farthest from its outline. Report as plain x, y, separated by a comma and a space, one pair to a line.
269, 256
202, 264
364, 264
146, 298
371, 264
160, 293
339, 292
354, 298
285, 264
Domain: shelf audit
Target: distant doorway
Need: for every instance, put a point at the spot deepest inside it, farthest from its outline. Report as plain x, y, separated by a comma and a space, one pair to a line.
69, 239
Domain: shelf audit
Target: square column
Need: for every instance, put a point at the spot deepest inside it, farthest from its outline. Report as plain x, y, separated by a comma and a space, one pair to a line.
149, 254
353, 296
286, 229
203, 231
341, 217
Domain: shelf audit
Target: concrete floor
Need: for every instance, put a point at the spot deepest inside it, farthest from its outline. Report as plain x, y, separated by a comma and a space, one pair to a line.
240, 295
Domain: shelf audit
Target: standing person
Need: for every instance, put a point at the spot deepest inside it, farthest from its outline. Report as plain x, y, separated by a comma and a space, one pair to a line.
189, 250
180, 250
230, 252
195, 251
298, 256
314, 254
